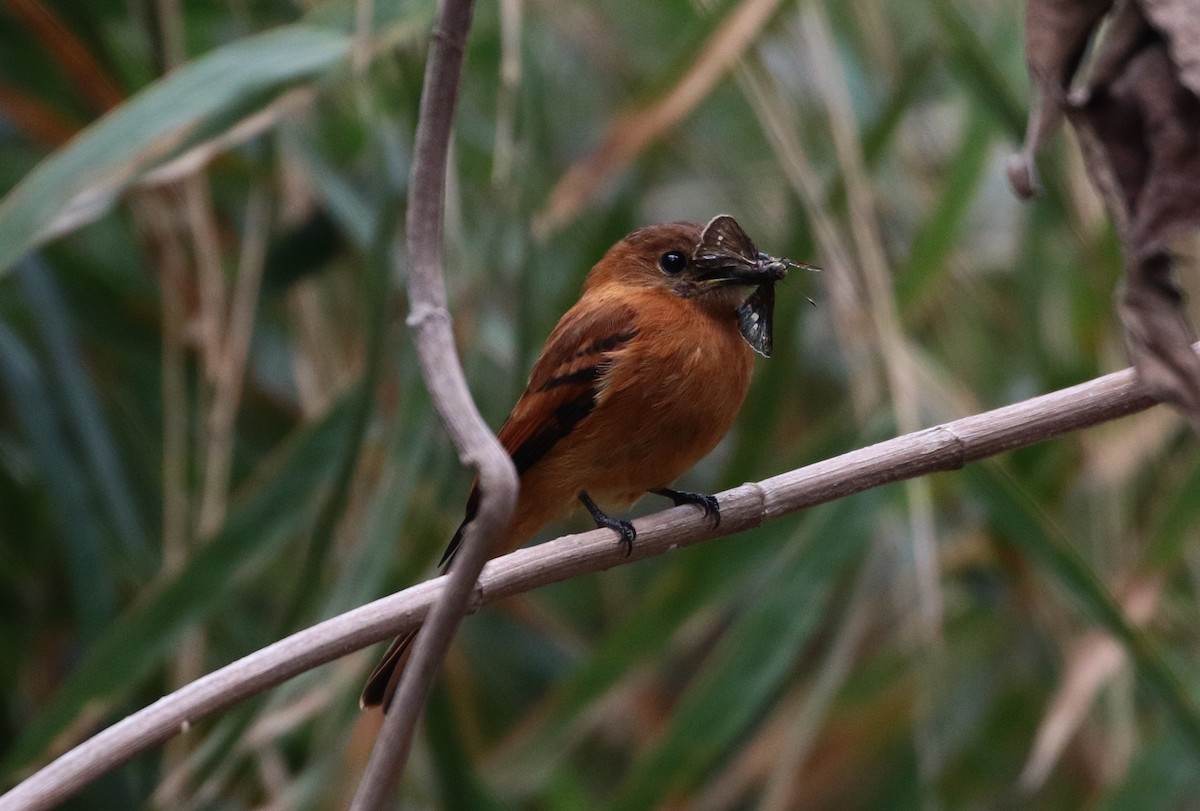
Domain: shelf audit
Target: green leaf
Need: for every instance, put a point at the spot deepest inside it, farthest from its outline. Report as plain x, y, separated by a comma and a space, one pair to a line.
978, 69
1052, 554
457, 781
754, 658
706, 577
88, 571
83, 180
258, 525
83, 414
939, 236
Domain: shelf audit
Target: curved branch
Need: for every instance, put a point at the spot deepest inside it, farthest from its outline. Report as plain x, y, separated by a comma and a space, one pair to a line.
477, 446
945, 447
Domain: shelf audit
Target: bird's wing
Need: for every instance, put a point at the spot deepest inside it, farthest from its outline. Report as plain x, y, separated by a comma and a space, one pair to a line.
562, 388
565, 380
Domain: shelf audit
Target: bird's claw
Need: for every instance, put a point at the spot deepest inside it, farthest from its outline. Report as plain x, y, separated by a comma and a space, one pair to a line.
628, 534
624, 529
705, 502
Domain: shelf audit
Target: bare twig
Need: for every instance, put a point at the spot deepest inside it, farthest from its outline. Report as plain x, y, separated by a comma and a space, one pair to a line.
780, 123
196, 208
477, 446
201, 218
1091, 663
156, 215
503, 153
944, 447
364, 19
230, 368
636, 130
93, 83
920, 592
202, 154
174, 38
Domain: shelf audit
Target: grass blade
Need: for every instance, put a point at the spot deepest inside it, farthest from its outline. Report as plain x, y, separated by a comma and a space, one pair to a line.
83, 413
1013, 509
88, 572
753, 660
257, 526
81, 181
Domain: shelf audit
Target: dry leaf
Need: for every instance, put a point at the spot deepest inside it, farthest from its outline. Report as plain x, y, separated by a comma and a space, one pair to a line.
1094, 659
1137, 115
1056, 36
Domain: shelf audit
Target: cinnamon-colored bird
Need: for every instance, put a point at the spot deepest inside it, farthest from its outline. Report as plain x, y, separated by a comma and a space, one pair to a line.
639, 380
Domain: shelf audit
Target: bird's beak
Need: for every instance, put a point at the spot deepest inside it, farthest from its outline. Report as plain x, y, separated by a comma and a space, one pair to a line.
742, 271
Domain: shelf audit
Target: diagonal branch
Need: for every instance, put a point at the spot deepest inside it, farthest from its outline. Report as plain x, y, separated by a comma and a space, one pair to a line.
944, 447
477, 446
637, 129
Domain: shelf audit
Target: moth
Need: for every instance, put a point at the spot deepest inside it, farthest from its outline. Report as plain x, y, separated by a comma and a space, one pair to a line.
724, 245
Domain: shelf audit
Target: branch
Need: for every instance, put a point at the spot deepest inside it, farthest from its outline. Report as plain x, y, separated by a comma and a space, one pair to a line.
637, 129
477, 446
945, 447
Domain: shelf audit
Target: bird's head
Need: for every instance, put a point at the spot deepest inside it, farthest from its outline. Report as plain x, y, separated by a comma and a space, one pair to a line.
716, 266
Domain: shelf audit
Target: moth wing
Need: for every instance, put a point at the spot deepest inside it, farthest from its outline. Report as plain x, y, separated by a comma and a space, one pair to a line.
723, 244
756, 319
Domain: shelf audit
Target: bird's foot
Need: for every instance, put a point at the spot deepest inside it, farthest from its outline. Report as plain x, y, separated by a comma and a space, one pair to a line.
708, 503
624, 529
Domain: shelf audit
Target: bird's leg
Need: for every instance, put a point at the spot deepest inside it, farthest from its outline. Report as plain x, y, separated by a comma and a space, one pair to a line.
705, 502
623, 528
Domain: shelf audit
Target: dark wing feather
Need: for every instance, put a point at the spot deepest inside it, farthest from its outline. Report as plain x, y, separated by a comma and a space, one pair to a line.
382, 683
561, 391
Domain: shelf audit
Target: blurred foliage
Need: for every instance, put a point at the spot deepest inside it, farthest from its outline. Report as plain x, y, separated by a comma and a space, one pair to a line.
171, 502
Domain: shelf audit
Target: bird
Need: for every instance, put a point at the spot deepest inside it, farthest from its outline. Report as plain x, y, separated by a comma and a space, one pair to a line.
639, 380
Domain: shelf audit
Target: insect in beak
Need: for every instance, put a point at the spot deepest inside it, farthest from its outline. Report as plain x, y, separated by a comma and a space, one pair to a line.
726, 255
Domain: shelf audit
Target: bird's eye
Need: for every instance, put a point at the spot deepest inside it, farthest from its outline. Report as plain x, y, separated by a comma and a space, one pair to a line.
672, 262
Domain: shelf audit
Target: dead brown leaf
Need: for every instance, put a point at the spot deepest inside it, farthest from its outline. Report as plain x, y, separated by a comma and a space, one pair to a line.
1056, 36
1092, 662
1137, 115
1179, 20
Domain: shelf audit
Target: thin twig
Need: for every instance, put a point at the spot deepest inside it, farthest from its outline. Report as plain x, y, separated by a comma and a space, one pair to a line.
230, 368
637, 129
476, 444
920, 593
941, 448
1091, 663
364, 20
174, 38
91, 81
201, 218
872, 265
507, 95
196, 209
780, 123
156, 214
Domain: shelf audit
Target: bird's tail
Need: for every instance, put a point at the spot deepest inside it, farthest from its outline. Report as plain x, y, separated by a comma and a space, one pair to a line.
381, 686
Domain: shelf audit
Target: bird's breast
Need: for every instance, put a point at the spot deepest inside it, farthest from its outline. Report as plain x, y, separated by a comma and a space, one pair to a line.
665, 400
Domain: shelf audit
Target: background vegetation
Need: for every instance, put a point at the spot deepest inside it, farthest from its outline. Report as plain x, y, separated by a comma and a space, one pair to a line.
212, 429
